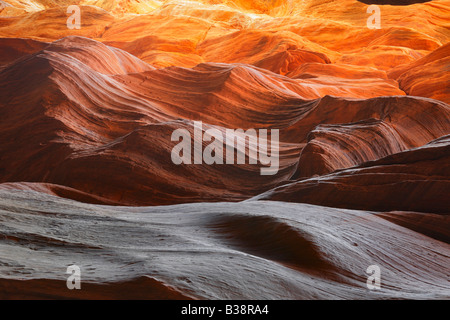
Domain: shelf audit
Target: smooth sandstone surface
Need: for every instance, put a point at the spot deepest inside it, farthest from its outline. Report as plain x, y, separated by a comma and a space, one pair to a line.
251, 250
86, 118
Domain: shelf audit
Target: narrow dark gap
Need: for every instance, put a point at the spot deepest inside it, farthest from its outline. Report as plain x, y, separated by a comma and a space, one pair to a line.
394, 2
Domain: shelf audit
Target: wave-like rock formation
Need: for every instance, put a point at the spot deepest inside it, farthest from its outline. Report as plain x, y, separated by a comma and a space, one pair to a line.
422, 113
248, 250
95, 109
332, 147
335, 146
178, 33
426, 77
412, 180
87, 118
101, 130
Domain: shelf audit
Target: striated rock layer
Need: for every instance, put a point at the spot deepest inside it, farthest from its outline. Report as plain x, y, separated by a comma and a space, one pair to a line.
99, 120
248, 250
412, 180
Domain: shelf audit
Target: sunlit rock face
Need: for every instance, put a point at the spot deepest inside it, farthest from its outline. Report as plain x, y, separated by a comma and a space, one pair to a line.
87, 116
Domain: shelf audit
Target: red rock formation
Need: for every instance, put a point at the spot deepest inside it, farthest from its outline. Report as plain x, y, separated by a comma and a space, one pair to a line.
36, 24
422, 113
426, 77
333, 147
413, 180
432, 225
113, 128
45, 289
13, 48
120, 116
279, 52
336, 146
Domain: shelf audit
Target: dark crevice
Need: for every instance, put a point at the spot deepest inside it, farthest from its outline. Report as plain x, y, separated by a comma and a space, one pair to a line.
394, 2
